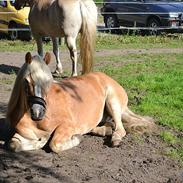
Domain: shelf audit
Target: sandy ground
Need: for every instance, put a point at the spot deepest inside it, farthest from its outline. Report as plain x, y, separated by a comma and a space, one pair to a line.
137, 160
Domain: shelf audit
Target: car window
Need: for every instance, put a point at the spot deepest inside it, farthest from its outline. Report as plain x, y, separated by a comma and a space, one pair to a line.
3, 3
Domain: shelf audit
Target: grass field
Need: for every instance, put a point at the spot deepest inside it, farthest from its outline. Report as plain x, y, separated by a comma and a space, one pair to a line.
154, 81
105, 41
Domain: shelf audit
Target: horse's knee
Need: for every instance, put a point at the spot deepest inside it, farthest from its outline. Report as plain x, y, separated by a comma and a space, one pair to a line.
57, 146
117, 137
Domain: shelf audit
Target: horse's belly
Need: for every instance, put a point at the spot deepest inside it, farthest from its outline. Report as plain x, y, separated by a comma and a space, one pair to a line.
45, 26
47, 30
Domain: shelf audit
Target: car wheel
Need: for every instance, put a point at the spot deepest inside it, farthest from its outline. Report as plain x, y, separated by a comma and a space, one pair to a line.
13, 34
111, 22
153, 23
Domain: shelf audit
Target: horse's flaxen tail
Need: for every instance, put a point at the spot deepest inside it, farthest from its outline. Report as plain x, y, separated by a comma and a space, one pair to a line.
136, 123
88, 34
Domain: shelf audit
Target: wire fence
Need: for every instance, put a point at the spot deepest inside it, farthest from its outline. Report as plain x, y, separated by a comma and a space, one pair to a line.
176, 18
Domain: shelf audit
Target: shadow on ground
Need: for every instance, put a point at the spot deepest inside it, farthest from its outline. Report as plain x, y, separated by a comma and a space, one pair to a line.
8, 69
3, 107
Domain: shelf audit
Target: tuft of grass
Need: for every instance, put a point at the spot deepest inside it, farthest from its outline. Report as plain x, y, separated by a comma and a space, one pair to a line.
176, 154
176, 150
169, 137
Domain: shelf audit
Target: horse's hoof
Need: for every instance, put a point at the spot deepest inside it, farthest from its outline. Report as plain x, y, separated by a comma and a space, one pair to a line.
74, 75
57, 72
14, 146
116, 143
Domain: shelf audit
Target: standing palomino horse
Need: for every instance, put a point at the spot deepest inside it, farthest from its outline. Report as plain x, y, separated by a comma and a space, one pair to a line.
64, 18
41, 108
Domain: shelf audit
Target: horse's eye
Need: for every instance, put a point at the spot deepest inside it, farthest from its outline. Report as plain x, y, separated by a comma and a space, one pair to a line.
26, 83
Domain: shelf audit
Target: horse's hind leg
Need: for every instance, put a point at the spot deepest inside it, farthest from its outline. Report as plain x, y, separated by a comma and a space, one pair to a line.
59, 69
115, 109
71, 44
39, 45
64, 139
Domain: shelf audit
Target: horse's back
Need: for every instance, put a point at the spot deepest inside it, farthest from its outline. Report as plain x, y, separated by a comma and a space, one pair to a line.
55, 18
113, 88
100, 84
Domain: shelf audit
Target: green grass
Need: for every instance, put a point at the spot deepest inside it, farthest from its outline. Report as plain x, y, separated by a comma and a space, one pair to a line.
105, 41
169, 137
176, 144
98, 1
154, 83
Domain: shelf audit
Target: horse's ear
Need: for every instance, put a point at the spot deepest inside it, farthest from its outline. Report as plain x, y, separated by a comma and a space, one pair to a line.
47, 58
28, 58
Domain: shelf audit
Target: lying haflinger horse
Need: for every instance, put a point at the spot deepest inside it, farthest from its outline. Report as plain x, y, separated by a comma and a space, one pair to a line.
64, 18
41, 109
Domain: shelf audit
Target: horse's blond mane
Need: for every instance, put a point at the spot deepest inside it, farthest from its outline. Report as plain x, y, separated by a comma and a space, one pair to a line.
40, 74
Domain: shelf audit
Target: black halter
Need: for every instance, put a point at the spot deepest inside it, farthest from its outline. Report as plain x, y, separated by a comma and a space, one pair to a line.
36, 100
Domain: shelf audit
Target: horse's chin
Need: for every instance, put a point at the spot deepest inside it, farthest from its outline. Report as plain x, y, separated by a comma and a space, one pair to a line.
36, 119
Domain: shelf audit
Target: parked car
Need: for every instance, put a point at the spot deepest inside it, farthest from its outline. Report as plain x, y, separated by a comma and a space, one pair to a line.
11, 19
165, 14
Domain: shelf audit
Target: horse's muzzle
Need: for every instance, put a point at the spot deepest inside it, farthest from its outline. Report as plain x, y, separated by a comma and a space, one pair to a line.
37, 108
37, 112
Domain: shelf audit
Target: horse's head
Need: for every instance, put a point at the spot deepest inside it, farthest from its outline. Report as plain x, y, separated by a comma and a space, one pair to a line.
36, 84
18, 4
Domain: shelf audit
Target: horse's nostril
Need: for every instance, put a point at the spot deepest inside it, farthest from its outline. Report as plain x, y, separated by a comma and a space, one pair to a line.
43, 111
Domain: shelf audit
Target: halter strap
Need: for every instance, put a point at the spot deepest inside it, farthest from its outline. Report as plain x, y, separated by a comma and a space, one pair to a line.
36, 100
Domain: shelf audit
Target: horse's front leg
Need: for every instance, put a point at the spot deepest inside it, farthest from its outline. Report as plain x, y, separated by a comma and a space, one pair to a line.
59, 69
71, 44
63, 139
30, 141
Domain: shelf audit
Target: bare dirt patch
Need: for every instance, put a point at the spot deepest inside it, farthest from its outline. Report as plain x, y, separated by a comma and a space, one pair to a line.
137, 160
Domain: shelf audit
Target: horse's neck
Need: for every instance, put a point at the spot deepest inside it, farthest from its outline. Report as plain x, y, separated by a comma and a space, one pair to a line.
17, 114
